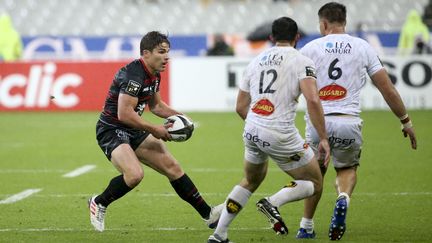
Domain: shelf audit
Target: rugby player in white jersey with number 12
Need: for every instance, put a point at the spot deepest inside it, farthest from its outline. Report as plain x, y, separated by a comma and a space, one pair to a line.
267, 101
342, 62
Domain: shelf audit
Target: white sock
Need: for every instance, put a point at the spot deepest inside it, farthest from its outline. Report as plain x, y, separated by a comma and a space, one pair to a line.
344, 194
307, 224
296, 190
236, 200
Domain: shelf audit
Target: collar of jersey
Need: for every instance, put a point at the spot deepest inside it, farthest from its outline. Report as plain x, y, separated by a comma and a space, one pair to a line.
152, 76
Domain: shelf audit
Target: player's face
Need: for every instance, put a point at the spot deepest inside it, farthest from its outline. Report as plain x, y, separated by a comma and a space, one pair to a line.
158, 58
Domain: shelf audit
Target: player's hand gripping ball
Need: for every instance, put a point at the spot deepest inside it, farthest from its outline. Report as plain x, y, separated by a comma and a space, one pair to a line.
180, 127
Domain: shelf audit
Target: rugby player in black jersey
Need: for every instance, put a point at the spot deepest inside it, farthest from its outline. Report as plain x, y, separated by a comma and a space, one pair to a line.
128, 140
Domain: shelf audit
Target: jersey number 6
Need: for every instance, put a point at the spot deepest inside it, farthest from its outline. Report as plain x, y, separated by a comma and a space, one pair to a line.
333, 71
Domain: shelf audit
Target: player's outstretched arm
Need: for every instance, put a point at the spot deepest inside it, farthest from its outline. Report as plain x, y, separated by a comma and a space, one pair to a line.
382, 81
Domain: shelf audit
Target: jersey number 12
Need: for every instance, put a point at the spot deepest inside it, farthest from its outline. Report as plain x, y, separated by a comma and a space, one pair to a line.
264, 76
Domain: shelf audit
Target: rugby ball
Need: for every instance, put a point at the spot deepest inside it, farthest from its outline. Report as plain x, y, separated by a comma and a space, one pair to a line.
180, 127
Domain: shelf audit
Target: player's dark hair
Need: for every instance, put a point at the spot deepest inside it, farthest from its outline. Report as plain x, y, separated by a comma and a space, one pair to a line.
153, 39
333, 12
284, 29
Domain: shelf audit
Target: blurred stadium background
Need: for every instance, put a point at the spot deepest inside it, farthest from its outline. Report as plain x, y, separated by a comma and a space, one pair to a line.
191, 21
190, 17
103, 35
71, 50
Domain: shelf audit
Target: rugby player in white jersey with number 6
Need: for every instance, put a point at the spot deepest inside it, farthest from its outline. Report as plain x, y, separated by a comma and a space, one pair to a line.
267, 101
342, 62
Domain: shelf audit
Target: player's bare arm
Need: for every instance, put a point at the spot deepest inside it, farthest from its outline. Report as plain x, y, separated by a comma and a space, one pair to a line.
310, 92
243, 102
160, 108
394, 101
127, 115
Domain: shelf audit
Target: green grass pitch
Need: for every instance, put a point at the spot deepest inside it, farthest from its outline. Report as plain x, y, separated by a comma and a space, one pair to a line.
392, 201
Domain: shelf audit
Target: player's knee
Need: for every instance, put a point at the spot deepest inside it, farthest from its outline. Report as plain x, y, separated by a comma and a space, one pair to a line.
317, 185
133, 178
318, 188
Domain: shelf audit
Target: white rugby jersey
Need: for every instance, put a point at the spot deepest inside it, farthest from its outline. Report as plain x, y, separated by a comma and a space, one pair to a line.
342, 63
272, 79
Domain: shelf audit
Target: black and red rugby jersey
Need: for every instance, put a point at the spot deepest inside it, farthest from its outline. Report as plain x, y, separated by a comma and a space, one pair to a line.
135, 80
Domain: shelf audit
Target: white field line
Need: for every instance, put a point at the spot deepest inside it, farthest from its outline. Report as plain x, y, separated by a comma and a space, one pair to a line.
20, 196
30, 171
118, 229
79, 171
196, 170
218, 194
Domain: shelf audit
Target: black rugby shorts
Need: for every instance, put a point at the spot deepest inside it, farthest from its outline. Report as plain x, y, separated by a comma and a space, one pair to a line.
110, 137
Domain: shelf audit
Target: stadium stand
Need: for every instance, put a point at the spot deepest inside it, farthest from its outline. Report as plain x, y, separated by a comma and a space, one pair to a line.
185, 17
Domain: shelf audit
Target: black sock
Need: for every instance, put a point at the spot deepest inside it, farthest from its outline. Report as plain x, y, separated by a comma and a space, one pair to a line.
116, 189
188, 192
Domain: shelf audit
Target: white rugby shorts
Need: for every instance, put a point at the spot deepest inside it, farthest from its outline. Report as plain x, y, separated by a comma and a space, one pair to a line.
287, 149
345, 139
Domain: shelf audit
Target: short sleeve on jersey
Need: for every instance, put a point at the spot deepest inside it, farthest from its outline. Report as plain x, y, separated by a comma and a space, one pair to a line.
132, 88
245, 81
374, 63
130, 79
306, 68
310, 71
